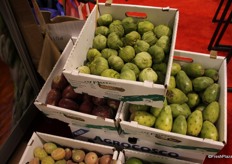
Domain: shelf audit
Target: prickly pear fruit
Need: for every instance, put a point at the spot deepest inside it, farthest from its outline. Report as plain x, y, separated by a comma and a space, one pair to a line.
201, 83
187, 110
177, 110
211, 112
194, 69
194, 123
164, 120
143, 118
183, 82
193, 99
172, 82
212, 73
40, 153
176, 96
175, 68
209, 131
180, 125
211, 93
136, 107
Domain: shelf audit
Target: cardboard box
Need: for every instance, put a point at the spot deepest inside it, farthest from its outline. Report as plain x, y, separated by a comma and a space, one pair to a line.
127, 141
125, 154
123, 90
38, 139
67, 115
179, 141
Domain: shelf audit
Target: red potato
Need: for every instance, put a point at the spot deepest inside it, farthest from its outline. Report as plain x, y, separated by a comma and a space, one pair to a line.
53, 97
59, 82
68, 104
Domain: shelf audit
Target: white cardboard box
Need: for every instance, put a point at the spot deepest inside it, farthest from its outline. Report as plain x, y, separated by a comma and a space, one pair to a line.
124, 90
66, 115
125, 154
38, 139
126, 141
179, 141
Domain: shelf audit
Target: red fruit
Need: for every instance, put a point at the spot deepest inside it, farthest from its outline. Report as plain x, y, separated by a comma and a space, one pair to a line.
105, 159
68, 104
69, 93
103, 111
86, 107
59, 82
86, 97
53, 97
98, 100
114, 104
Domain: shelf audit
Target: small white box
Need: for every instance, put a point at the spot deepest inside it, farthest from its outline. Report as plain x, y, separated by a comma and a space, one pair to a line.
38, 139
66, 115
179, 141
127, 141
123, 90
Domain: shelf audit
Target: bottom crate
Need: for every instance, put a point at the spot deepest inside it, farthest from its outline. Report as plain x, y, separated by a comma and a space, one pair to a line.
125, 141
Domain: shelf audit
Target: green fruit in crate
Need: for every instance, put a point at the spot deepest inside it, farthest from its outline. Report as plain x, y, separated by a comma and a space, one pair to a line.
143, 60
164, 42
117, 28
164, 120
116, 63
200, 107
178, 110
103, 30
141, 46
186, 110
132, 67
104, 20
143, 118
183, 82
49, 147
114, 41
84, 69
107, 52
172, 82
148, 74
201, 83
194, 69
127, 53
209, 130
162, 67
211, 112
193, 99
194, 123
128, 75
176, 96
161, 30
137, 107
92, 54
98, 65
40, 153
157, 54
156, 111
149, 37
212, 73
211, 93
175, 68
131, 38
134, 160
129, 24
145, 26
110, 73
99, 42
180, 125
47, 160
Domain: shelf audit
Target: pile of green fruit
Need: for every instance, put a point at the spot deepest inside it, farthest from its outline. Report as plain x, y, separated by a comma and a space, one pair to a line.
52, 153
130, 49
191, 106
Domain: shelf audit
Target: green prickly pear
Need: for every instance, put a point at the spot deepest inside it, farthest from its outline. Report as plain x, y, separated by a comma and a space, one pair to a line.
180, 125
194, 123
187, 110
212, 73
172, 82
193, 99
211, 93
143, 118
211, 112
201, 83
183, 82
176, 96
194, 69
209, 130
165, 119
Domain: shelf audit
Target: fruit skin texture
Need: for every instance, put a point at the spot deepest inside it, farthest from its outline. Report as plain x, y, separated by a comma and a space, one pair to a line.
211, 93
40, 153
91, 158
194, 123
49, 147
211, 112
53, 97
143, 118
201, 83
58, 154
209, 131
133, 160
105, 159
47, 160
78, 155
194, 70
183, 82
180, 125
164, 120
176, 96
